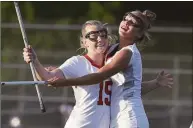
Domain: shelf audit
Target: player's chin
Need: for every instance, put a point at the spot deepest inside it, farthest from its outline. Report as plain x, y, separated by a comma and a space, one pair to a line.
101, 50
123, 33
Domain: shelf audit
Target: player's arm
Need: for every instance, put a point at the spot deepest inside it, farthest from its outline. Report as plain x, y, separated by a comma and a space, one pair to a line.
148, 86
119, 62
29, 55
44, 74
162, 80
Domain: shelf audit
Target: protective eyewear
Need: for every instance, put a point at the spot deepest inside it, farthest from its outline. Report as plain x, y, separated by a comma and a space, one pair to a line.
139, 23
93, 35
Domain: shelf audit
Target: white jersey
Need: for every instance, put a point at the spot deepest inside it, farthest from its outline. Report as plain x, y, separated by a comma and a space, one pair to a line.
92, 108
191, 126
126, 105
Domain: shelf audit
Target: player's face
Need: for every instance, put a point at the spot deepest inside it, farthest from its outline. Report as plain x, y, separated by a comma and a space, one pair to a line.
95, 39
129, 27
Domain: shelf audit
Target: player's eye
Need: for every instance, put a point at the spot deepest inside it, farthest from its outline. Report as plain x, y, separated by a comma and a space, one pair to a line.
93, 36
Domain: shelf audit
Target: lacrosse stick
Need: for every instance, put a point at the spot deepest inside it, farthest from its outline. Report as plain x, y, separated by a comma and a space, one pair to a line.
11, 83
42, 107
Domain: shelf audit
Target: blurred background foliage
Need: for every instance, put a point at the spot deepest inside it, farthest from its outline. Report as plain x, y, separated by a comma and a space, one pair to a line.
78, 12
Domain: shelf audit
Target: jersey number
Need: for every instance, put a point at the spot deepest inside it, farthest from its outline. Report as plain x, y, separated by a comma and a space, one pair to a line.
106, 85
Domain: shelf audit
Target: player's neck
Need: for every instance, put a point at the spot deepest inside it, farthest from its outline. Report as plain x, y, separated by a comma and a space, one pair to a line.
125, 42
97, 58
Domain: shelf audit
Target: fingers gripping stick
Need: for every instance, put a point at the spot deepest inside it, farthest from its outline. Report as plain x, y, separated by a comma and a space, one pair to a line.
31, 63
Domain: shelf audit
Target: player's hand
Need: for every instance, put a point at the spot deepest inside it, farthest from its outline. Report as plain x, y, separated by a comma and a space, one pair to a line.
29, 54
165, 79
56, 82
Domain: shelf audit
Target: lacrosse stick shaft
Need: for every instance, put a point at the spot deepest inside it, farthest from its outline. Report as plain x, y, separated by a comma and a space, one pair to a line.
42, 107
23, 83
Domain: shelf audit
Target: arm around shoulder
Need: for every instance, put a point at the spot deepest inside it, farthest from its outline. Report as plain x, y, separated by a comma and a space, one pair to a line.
119, 62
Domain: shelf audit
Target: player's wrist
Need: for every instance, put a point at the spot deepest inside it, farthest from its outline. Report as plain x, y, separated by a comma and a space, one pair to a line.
157, 83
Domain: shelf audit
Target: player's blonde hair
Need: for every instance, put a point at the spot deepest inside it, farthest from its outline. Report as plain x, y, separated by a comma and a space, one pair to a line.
111, 37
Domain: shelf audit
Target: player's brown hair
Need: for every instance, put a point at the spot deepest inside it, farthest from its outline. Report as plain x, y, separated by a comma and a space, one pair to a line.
146, 19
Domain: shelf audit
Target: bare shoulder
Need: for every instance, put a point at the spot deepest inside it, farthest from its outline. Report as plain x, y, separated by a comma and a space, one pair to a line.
123, 53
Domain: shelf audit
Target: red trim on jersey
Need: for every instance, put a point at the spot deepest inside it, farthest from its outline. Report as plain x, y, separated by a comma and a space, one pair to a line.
92, 62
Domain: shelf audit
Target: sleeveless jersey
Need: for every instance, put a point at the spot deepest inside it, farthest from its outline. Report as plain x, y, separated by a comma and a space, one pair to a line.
126, 105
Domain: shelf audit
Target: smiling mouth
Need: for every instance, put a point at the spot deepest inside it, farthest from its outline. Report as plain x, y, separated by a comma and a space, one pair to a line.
125, 28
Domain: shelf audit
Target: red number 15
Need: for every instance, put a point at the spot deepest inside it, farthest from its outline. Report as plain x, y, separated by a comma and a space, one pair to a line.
106, 87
